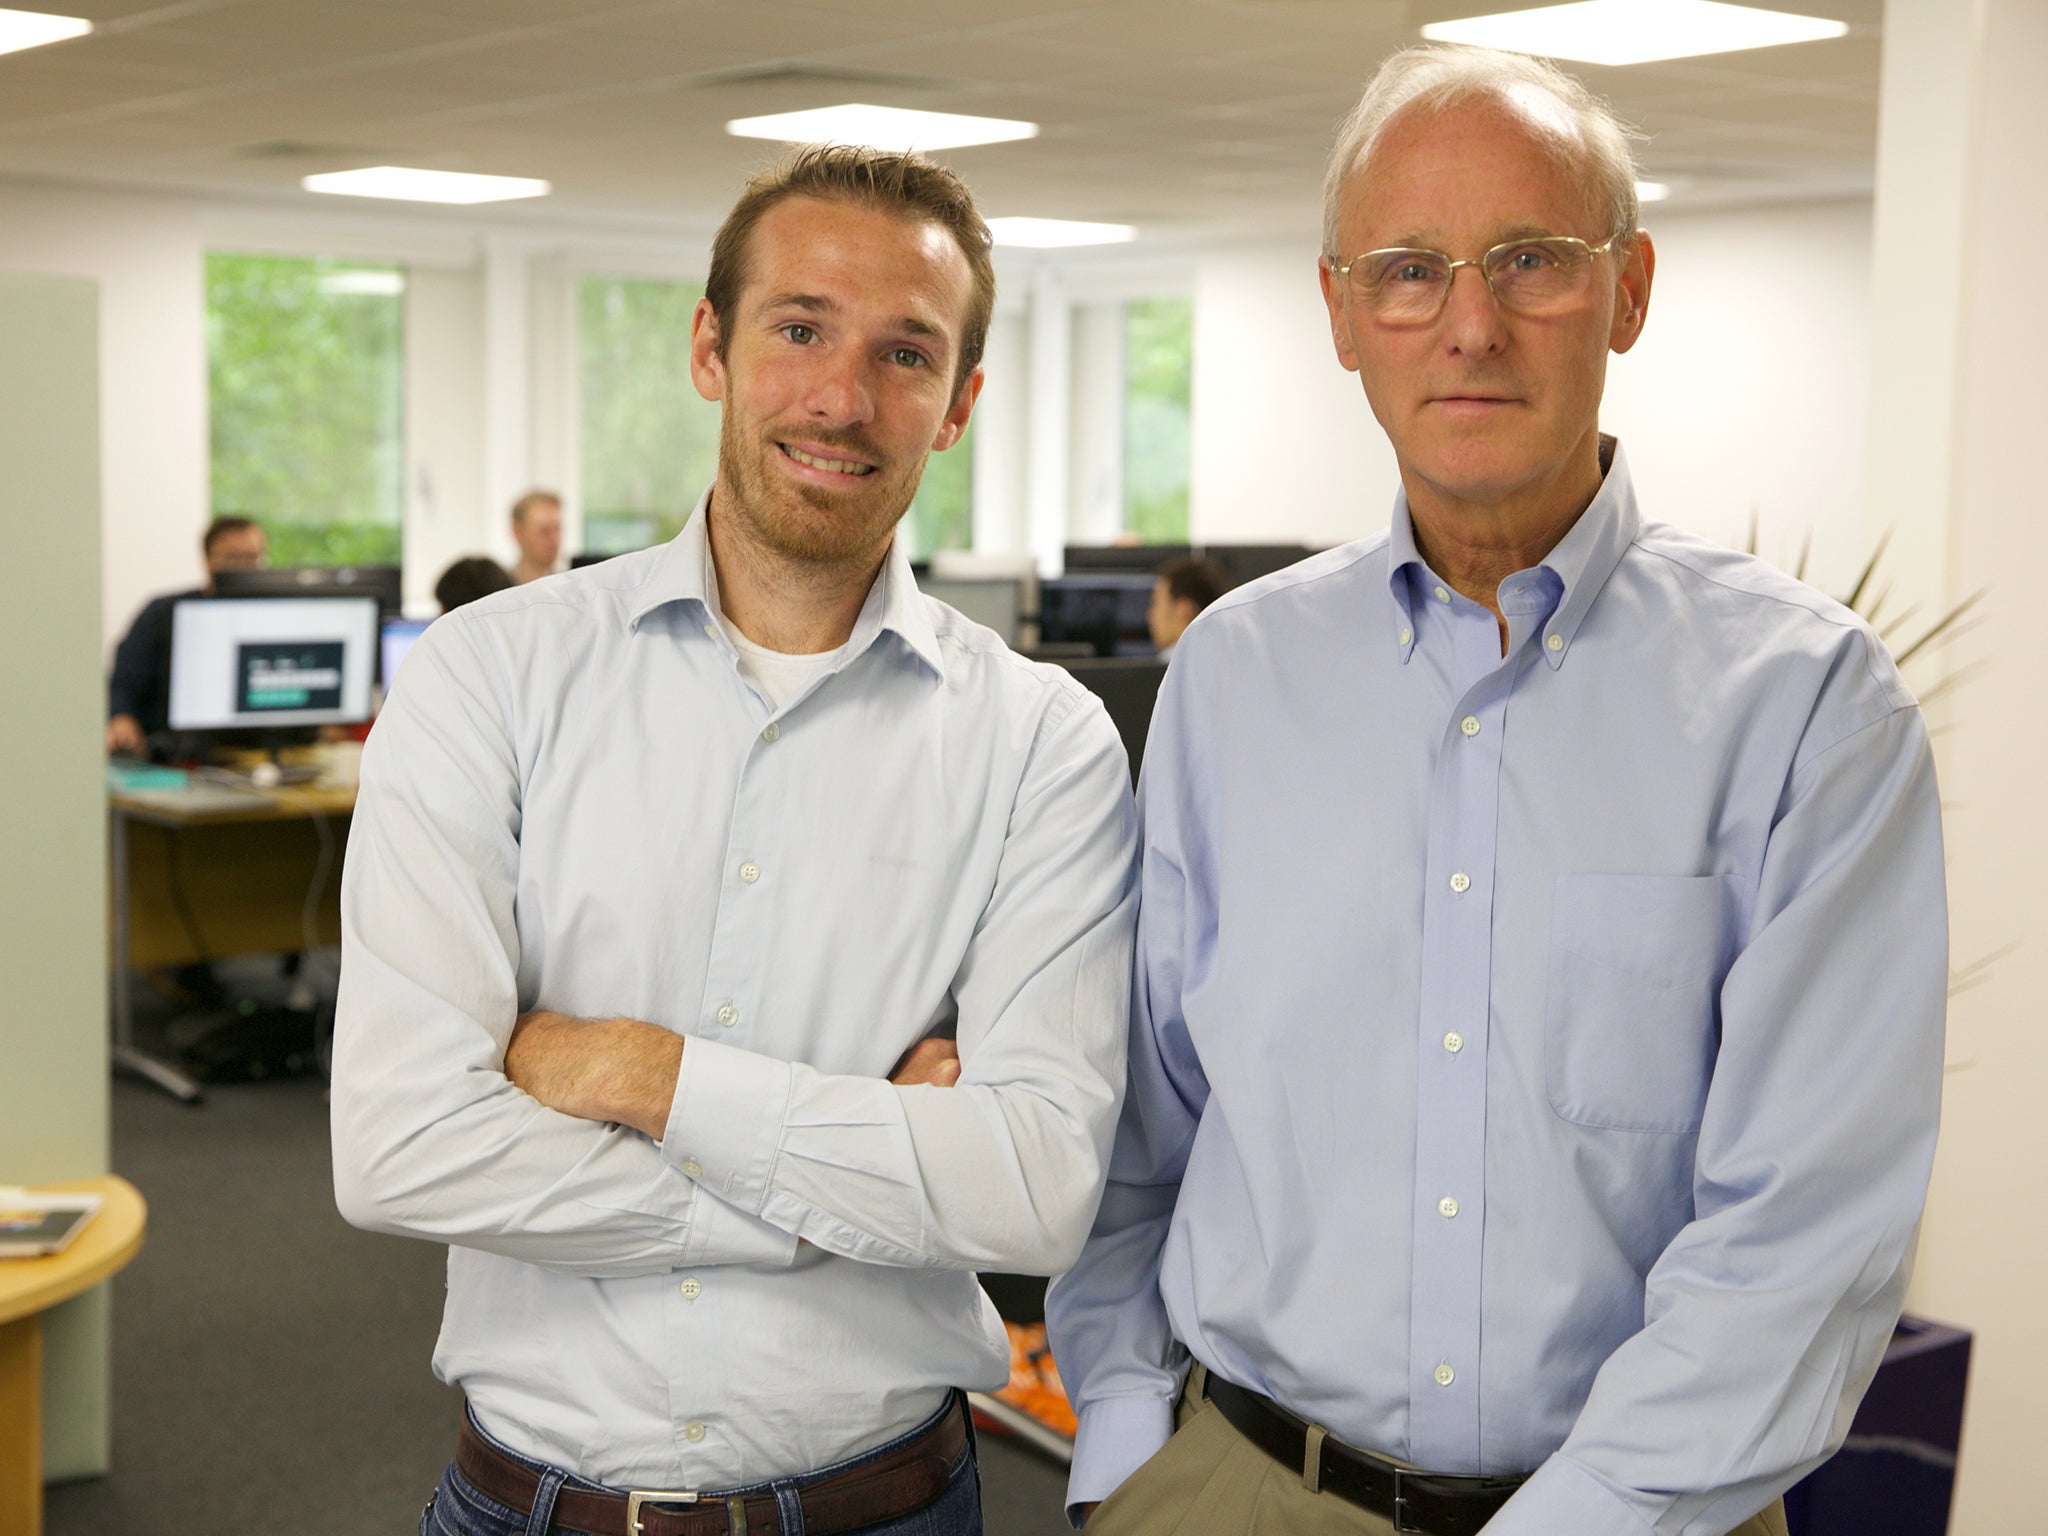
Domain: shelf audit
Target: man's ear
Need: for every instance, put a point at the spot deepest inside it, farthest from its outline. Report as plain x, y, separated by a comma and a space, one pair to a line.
707, 355
1340, 319
1632, 293
955, 424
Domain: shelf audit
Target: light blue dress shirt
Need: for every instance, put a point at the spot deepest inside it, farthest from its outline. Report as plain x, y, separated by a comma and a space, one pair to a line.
574, 800
1536, 1059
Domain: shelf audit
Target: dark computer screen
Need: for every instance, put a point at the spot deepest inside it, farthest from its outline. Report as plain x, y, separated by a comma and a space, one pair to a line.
382, 582
1104, 610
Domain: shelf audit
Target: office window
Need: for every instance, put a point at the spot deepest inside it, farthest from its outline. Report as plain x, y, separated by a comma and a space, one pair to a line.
1158, 375
649, 440
305, 386
942, 513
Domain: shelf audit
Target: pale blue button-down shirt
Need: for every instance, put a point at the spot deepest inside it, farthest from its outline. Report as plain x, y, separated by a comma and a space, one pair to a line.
1536, 1058
574, 801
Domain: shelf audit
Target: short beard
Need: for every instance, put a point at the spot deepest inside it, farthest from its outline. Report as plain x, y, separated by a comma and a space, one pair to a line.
806, 524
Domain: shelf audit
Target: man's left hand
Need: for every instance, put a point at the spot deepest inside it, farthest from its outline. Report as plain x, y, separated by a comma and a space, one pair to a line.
621, 1071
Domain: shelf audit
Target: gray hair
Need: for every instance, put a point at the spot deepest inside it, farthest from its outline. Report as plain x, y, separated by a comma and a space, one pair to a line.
1442, 76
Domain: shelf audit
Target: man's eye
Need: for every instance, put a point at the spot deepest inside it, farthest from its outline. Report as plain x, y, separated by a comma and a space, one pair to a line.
1529, 258
906, 357
800, 333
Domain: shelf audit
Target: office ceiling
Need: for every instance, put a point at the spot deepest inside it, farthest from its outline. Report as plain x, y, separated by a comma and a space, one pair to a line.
1196, 119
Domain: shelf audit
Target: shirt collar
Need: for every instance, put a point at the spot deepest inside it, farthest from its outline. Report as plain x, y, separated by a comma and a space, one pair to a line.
1582, 561
684, 574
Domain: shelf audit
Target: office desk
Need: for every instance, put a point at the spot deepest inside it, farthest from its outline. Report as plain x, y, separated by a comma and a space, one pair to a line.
205, 872
29, 1288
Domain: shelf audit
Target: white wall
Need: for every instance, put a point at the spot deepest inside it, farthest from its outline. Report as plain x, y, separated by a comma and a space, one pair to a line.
1747, 390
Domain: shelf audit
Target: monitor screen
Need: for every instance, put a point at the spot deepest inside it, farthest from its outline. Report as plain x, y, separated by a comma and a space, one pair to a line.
396, 639
1103, 611
997, 602
1123, 557
243, 663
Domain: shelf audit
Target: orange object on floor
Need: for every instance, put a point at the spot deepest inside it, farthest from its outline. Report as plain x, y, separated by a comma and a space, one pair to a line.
1035, 1386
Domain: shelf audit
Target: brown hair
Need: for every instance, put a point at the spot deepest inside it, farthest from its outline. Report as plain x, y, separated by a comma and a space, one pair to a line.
531, 500
220, 528
1194, 580
906, 184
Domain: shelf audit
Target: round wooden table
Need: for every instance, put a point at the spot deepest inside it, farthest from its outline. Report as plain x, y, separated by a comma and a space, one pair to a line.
28, 1288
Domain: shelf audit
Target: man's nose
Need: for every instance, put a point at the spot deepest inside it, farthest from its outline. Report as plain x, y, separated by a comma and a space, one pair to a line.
843, 388
1473, 322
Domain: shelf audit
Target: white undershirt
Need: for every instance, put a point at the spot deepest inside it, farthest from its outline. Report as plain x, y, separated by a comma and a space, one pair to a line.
777, 674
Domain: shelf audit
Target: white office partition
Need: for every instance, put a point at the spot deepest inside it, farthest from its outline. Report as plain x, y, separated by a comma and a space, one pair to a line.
53, 860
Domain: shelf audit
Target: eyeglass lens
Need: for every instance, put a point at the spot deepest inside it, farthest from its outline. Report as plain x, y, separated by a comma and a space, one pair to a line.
1528, 276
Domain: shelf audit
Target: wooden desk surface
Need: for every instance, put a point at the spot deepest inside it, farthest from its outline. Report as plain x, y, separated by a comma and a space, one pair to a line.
211, 805
109, 1241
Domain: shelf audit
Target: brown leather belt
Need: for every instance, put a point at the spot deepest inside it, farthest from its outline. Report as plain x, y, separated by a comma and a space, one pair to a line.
887, 1488
1435, 1504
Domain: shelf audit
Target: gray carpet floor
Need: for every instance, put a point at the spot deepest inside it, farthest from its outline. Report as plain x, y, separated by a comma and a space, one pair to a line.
271, 1362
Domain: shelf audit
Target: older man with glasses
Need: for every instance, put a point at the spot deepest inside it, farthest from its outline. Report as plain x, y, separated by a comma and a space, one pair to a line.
1537, 1033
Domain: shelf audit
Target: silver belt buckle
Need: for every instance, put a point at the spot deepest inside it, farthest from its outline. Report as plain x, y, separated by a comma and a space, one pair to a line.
1401, 1504
634, 1501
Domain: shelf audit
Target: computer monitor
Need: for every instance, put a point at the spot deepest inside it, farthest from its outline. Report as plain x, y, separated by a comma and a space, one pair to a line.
1105, 610
383, 582
1248, 562
1128, 687
1124, 557
997, 601
267, 663
394, 639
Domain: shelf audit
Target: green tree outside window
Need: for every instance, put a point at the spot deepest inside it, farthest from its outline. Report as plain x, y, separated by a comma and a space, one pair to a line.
305, 386
1158, 388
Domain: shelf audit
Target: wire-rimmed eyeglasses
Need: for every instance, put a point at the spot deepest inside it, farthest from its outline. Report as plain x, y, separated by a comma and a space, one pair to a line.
1402, 285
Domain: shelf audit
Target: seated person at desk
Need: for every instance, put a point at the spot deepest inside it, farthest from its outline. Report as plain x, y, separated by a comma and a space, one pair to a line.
139, 693
537, 530
1183, 589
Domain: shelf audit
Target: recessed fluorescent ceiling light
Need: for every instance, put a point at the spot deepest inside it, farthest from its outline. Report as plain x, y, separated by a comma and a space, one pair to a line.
1634, 31
1652, 191
32, 29
891, 128
415, 186
1046, 234
363, 283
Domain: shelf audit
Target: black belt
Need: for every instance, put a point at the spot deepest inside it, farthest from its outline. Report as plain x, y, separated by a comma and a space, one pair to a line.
1433, 1503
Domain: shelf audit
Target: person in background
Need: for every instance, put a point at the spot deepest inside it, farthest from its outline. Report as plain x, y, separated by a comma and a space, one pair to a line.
1182, 589
1537, 1044
139, 692
537, 530
468, 579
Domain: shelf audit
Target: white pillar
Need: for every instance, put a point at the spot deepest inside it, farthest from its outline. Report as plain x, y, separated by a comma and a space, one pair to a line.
508, 427
1959, 203
1050, 326
1095, 424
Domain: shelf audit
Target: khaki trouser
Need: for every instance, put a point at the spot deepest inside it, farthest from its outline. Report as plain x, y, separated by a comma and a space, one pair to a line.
1211, 1481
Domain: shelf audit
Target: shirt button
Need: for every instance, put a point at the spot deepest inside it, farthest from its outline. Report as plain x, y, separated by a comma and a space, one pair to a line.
770, 731
1407, 635
1444, 1375
1447, 1207
695, 1431
1454, 1042
692, 1168
1461, 882
691, 1288
1442, 596
1555, 642
728, 1015
750, 871
1469, 725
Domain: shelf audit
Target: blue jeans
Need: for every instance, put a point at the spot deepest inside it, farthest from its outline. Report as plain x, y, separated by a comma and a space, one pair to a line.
457, 1509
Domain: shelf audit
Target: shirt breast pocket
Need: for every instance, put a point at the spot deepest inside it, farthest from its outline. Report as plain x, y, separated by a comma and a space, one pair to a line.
1632, 1013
